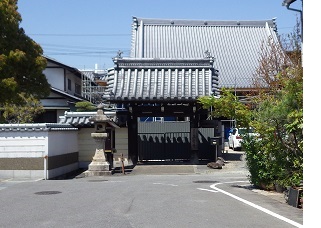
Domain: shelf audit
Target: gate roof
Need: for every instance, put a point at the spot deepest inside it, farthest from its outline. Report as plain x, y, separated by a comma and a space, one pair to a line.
154, 80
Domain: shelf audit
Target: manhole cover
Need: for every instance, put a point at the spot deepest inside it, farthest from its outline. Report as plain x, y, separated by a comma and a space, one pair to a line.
47, 192
205, 181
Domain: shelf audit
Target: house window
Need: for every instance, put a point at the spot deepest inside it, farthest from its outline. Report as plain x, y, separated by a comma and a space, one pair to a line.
69, 84
77, 89
49, 116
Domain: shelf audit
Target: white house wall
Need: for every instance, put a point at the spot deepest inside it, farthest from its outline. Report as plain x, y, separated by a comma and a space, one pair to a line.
58, 76
55, 77
74, 80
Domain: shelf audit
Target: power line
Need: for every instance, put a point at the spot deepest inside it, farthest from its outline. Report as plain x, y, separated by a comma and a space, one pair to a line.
70, 34
64, 47
81, 53
72, 50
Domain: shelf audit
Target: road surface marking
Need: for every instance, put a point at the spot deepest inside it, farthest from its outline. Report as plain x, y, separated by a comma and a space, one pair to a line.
204, 189
166, 184
213, 186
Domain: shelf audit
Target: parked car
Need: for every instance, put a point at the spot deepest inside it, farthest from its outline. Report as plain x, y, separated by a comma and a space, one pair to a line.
235, 137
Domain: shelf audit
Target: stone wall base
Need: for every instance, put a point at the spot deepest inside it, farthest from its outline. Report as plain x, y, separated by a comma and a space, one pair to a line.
97, 173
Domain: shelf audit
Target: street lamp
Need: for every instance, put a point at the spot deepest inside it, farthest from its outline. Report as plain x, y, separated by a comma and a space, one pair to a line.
287, 4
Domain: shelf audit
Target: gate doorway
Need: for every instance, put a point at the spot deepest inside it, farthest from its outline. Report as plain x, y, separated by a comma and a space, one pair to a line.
170, 141
168, 146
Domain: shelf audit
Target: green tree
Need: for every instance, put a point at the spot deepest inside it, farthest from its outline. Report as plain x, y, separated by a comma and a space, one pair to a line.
278, 117
227, 106
83, 106
276, 114
21, 60
279, 121
24, 112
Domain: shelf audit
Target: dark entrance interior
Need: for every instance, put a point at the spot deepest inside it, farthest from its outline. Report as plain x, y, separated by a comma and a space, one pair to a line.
170, 141
182, 140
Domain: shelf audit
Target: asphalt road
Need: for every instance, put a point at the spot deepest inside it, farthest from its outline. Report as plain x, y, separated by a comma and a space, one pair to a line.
199, 198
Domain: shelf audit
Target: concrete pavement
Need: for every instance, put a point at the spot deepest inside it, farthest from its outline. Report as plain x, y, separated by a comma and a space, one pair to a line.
235, 165
142, 180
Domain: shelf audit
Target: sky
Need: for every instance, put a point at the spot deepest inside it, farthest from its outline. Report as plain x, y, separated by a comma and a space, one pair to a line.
82, 33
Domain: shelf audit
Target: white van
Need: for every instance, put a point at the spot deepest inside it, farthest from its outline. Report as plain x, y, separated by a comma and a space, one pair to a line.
235, 137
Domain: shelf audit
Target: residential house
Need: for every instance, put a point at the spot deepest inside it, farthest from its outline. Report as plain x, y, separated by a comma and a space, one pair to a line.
66, 90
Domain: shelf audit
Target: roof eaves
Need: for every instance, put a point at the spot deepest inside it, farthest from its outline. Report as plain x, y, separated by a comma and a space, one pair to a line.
71, 69
188, 22
66, 94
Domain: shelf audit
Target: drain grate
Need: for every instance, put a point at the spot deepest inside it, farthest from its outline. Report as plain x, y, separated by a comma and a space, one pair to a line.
47, 193
205, 181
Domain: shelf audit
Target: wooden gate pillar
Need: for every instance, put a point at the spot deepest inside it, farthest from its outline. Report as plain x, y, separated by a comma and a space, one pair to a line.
132, 138
194, 139
218, 132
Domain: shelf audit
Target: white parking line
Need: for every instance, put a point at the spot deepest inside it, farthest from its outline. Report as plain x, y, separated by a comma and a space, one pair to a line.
213, 186
166, 184
18, 180
204, 189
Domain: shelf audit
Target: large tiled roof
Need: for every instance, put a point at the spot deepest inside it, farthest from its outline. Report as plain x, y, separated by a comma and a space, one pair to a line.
174, 80
235, 45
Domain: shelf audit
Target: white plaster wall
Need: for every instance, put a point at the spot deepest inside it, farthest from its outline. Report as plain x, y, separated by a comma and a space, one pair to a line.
23, 144
35, 144
61, 112
87, 147
121, 145
121, 141
62, 142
